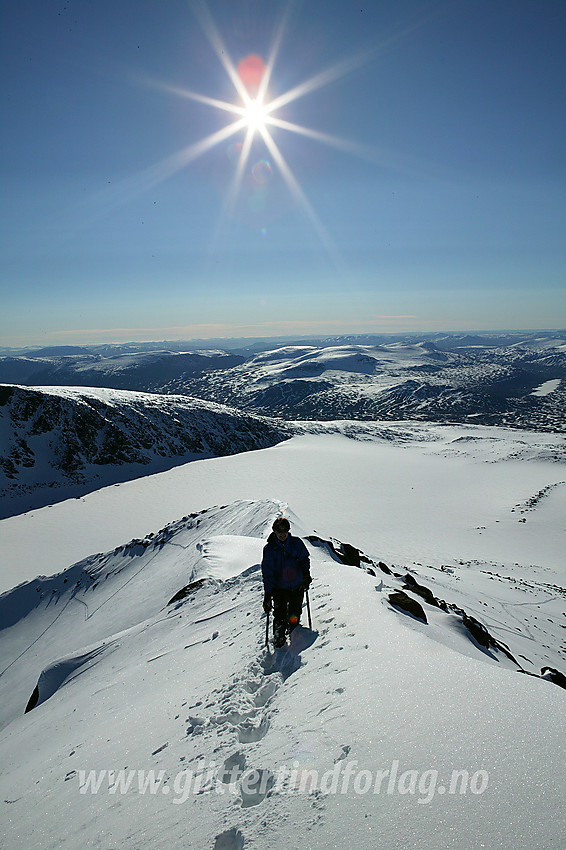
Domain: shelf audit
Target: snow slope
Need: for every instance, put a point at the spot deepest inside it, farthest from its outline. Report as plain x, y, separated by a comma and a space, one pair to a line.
449, 494
371, 729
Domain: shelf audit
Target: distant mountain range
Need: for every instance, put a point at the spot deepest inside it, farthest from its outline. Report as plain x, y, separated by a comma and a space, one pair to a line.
515, 379
518, 386
141, 370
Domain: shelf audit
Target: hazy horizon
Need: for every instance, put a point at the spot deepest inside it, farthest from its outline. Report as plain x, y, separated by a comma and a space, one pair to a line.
277, 338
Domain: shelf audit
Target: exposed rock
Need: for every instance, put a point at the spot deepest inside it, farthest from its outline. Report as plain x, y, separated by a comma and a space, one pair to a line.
349, 554
478, 631
187, 590
553, 676
59, 438
412, 584
399, 599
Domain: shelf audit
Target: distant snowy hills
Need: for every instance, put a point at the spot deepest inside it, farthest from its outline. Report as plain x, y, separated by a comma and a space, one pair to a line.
400, 380
111, 366
59, 442
507, 379
64, 439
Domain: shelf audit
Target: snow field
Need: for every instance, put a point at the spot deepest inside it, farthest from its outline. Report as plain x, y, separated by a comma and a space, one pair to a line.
437, 493
353, 729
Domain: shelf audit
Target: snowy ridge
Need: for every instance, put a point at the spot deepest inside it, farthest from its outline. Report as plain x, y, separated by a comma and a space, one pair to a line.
116, 591
139, 676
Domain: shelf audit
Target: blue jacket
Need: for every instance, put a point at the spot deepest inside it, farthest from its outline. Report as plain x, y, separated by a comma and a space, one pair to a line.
284, 565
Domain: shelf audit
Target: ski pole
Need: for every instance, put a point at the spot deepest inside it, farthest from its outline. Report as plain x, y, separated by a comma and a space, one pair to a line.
267, 628
308, 608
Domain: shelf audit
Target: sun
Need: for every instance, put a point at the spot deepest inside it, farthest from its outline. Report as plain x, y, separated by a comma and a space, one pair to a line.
256, 115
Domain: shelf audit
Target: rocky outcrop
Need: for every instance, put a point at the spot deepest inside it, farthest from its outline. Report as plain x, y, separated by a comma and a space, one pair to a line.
554, 676
399, 599
61, 437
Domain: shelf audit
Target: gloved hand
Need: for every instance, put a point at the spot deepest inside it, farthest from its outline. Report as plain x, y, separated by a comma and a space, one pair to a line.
307, 579
267, 602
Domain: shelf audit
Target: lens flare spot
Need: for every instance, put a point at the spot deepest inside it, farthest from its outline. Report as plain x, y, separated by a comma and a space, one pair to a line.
262, 172
234, 151
251, 70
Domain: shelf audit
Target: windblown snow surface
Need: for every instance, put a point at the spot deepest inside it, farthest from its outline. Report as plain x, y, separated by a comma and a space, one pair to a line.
158, 718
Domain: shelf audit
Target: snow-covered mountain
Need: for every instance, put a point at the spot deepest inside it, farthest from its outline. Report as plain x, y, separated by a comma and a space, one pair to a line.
117, 367
157, 717
513, 379
58, 442
519, 386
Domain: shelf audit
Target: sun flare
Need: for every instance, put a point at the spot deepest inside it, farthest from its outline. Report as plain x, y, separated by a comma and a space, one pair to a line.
256, 114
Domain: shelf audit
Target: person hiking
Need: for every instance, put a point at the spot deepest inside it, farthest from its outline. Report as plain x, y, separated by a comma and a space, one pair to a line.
286, 575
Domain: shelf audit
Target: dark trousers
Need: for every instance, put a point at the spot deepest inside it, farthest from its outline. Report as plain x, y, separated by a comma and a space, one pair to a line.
287, 607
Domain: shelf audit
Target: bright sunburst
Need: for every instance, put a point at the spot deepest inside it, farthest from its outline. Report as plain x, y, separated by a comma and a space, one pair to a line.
255, 113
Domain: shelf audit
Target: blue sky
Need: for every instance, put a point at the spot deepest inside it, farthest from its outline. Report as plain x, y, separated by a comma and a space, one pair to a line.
425, 191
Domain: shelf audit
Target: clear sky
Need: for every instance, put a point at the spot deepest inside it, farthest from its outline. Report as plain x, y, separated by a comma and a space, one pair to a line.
405, 168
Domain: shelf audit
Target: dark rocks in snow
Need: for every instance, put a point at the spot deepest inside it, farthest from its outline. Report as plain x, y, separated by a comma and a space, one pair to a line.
412, 584
6, 394
482, 636
553, 675
478, 631
349, 555
344, 552
75, 440
33, 700
399, 599
186, 591
550, 674
321, 542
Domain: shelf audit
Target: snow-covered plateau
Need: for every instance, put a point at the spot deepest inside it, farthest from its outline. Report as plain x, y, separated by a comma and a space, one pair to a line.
421, 708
